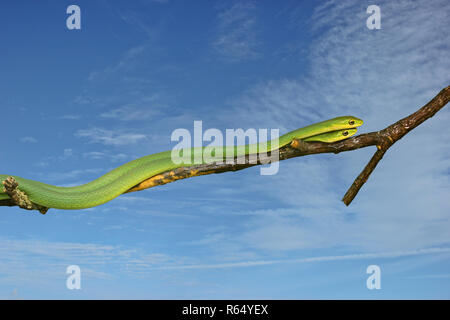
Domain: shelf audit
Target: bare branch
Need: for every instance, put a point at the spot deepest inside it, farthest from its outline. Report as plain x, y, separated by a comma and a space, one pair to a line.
382, 139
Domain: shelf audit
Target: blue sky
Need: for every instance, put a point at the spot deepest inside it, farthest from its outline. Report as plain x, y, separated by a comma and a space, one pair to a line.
77, 103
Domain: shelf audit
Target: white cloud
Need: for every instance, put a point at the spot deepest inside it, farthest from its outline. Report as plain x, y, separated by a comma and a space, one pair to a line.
360, 71
110, 137
97, 155
130, 113
430, 276
28, 140
157, 1
236, 39
67, 153
361, 256
68, 175
127, 62
47, 261
380, 76
71, 117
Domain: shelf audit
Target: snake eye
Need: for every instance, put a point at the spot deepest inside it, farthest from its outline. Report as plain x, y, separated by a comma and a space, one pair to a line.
351, 122
345, 133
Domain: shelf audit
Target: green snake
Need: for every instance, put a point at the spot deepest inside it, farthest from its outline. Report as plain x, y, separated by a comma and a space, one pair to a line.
126, 176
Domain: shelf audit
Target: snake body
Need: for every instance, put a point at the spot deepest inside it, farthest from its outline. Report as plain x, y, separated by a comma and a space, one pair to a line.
124, 177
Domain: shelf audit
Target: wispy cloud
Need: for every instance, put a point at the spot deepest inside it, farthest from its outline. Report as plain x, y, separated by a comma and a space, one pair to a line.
237, 34
28, 140
157, 1
68, 175
346, 62
49, 260
66, 154
380, 255
100, 155
142, 110
380, 76
431, 276
110, 137
71, 117
127, 61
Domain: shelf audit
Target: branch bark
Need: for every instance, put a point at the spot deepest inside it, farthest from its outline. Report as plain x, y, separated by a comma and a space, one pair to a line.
382, 139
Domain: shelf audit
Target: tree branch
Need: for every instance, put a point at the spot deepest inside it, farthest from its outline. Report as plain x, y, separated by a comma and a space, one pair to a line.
18, 198
382, 139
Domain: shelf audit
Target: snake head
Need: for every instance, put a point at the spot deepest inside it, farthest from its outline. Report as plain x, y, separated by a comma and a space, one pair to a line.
333, 136
354, 121
346, 133
338, 135
339, 123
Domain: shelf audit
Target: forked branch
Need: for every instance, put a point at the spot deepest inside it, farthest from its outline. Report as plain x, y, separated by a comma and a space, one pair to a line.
382, 139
